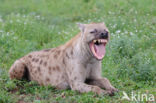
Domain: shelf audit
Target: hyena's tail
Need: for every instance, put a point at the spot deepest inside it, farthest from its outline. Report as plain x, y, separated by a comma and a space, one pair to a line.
18, 70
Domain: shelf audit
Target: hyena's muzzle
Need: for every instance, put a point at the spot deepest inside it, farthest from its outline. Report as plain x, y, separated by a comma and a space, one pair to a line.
97, 45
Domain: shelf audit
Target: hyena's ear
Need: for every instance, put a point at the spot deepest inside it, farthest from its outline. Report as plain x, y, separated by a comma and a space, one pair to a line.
81, 27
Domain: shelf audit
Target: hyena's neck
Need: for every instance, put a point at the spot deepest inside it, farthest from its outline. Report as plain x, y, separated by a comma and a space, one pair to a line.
77, 49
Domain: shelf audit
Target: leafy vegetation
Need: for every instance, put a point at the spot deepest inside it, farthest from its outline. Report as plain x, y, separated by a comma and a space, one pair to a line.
130, 61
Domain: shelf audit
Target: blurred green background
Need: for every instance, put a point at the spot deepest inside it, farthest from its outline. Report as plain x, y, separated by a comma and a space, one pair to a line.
30, 25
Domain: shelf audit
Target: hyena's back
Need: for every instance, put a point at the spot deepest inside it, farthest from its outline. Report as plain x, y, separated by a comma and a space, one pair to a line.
41, 66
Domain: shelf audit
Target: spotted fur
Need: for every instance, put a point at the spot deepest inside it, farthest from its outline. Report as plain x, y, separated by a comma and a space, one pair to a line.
67, 66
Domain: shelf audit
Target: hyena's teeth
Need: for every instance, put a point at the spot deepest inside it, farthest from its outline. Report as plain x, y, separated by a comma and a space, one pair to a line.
99, 41
103, 41
94, 41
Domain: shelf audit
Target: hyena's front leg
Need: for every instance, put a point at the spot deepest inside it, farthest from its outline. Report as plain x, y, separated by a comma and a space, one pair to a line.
76, 78
84, 88
103, 83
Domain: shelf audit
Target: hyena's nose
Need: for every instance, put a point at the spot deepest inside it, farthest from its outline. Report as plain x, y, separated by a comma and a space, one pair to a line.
104, 35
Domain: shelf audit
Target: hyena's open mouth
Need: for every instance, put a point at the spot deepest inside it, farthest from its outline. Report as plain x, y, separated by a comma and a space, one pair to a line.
97, 46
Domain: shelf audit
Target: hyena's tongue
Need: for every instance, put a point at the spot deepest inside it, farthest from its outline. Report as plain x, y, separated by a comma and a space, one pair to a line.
100, 51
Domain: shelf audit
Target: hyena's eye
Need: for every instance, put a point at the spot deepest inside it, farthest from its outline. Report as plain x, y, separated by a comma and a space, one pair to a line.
94, 31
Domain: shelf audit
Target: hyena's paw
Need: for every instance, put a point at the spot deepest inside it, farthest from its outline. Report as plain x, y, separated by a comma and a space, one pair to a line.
112, 90
110, 93
100, 91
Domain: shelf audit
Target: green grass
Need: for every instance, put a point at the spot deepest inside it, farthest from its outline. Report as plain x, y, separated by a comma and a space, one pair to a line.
130, 61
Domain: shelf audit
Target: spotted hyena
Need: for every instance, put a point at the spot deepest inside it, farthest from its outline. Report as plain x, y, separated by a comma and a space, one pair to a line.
75, 65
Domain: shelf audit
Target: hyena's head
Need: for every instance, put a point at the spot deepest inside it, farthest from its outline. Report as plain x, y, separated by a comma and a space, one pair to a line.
95, 37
